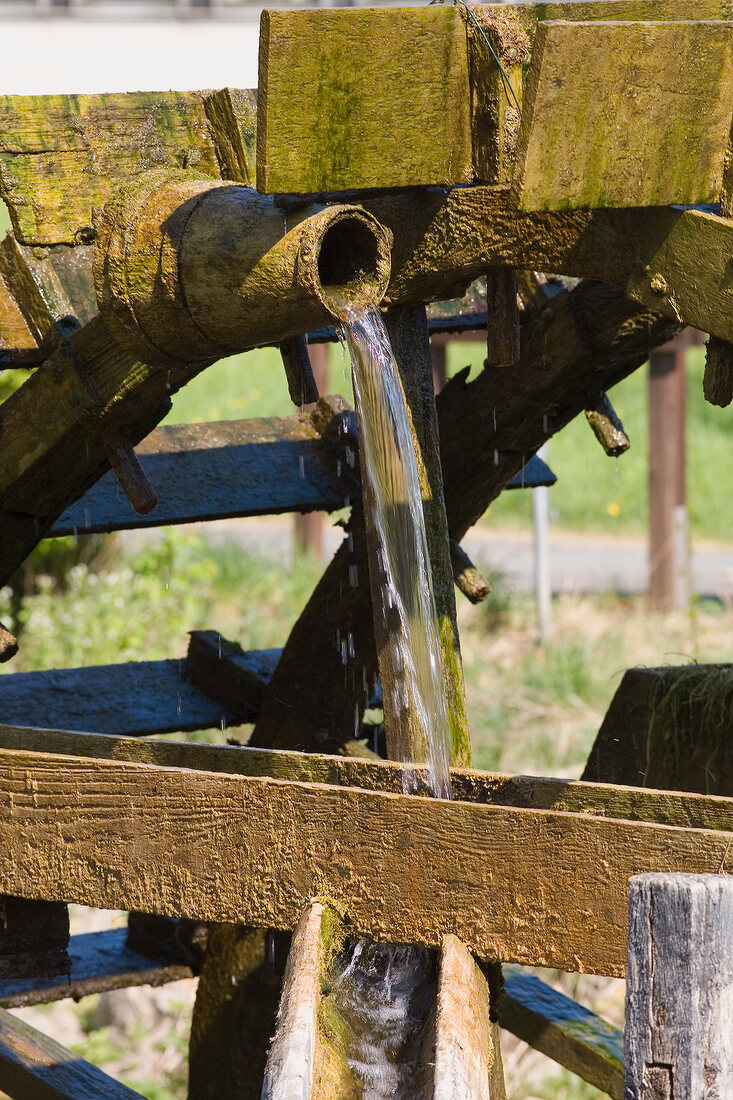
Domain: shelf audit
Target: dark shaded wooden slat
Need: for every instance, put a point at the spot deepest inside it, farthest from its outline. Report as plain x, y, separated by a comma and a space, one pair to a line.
140, 697
100, 961
204, 472
230, 468
34, 1067
563, 1030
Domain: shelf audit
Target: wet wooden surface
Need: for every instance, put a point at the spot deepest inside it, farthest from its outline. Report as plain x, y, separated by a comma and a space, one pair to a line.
540, 887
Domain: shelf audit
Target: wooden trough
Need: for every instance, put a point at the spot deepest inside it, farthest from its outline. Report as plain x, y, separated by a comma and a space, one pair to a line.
398, 154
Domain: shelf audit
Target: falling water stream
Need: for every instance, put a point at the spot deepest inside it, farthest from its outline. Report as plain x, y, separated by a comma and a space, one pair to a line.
384, 991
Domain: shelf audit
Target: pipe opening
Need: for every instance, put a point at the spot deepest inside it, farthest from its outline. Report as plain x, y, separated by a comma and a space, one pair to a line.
353, 264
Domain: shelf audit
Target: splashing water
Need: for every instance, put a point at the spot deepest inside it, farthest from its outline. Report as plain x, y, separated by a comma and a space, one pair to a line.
393, 493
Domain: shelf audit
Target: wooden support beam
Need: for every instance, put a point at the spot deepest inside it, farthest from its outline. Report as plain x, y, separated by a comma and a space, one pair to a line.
593, 94
32, 1065
34, 936
519, 791
248, 467
202, 845
467, 1052
563, 1030
669, 551
607, 428
668, 727
678, 1040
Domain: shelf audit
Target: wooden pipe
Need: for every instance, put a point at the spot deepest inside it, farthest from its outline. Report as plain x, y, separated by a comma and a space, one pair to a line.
187, 271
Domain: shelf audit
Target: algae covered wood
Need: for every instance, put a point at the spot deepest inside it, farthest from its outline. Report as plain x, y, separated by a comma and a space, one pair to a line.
519, 791
34, 1066
467, 1051
563, 1030
540, 887
596, 91
62, 155
678, 1039
362, 98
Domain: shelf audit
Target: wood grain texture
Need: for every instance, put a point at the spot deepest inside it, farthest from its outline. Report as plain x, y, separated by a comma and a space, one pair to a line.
596, 91
678, 1040
563, 1030
232, 118
520, 791
62, 155
229, 468
98, 962
540, 887
362, 98
468, 1062
34, 1066
582, 11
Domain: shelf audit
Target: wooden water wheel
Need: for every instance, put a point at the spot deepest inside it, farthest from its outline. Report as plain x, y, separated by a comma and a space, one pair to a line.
398, 156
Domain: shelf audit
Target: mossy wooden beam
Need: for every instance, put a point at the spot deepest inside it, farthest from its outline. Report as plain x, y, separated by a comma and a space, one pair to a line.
362, 98
590, 337
408, 332
563, 1030
32, 1065
594, 94
603, 799
668, 727
62, 155
308, 1056
232, 848
673, 260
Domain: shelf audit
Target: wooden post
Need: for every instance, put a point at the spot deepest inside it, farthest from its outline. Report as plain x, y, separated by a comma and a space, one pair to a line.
669, 570
678, 1042
308, 526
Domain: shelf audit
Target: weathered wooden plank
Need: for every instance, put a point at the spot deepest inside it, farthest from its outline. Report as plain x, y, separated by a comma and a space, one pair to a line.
136, 698
678, 1040
232, 117
383, 95
668, 727
467, 1052
520, 791
32, 1065
563, 1030
594, 93
230, 468
62, 155
98, 962
540, 887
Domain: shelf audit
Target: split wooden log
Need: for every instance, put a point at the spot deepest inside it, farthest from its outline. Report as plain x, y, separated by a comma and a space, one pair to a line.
467, 1051
678, 1040
487, 430
32, 1065
233, 848
308, 1058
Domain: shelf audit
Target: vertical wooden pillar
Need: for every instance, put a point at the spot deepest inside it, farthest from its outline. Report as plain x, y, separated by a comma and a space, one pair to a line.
308, 526
669, 569
678, 1040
